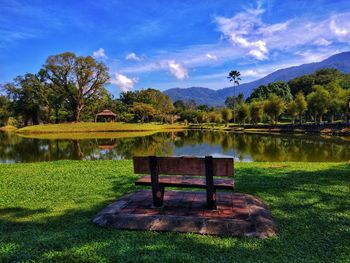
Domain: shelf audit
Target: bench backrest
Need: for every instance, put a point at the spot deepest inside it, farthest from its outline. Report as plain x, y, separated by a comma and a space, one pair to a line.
195, 166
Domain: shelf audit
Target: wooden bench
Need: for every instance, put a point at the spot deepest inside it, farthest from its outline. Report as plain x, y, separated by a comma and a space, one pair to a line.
181, 172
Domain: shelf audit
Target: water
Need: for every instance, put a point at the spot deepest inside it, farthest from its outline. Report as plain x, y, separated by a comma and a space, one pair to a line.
244, 147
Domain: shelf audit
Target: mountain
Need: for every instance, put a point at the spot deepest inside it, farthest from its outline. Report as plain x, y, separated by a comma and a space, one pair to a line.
211, 97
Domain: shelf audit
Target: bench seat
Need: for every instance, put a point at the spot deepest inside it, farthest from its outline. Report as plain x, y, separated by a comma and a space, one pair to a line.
188, 182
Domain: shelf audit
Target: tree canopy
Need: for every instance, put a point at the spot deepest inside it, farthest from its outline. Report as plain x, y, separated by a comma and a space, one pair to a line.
279, 88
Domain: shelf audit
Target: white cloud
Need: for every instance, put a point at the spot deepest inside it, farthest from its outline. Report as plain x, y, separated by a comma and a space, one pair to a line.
125, 84
100, 53
178, 70
210, 56
241, 31
322, 42
246, 38
132, 56
338, 29
248, 31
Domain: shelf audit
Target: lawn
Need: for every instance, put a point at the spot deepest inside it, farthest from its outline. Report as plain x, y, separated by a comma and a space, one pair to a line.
97, 127
46, 211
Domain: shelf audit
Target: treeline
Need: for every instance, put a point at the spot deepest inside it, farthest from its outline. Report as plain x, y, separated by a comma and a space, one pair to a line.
71, 88
323, 95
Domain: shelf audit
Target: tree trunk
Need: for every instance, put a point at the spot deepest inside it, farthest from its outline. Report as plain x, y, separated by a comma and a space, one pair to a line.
35, 118
77, 111
293, 120
56, 115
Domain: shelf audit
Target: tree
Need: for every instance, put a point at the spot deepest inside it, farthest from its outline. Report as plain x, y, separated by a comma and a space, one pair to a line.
337, 101
256, 110
321, 77
318, 101
243, 113
4, 110
301, 84
234, 76
292, 109
95, 104
77, 78
144, 112
215, 117
153, 97
28, 97
179, 105
226, 115
278, 88
274, 107
232, 100
301, 104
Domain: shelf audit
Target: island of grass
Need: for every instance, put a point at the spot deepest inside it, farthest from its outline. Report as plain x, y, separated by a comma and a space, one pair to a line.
107, 127
8, 128
46, 212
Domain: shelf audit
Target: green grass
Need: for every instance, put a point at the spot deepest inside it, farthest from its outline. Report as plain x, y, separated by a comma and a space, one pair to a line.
86, 135
8, 128
46, 211
97, 127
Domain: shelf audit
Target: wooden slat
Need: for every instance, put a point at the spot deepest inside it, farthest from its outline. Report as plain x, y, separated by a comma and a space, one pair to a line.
184, 166
187, 182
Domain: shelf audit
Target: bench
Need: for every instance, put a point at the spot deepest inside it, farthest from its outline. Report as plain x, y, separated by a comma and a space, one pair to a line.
189, 172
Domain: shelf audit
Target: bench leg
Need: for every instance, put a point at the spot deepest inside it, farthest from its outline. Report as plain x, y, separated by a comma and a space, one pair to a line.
211, 199
158, 196
211, 191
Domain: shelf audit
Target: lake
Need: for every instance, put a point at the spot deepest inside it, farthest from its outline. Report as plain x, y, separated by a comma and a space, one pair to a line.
244, 147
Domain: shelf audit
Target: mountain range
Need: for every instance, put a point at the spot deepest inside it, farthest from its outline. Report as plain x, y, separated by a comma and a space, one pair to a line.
212, 97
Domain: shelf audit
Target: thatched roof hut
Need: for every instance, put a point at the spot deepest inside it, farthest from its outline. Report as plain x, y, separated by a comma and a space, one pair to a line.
106, 114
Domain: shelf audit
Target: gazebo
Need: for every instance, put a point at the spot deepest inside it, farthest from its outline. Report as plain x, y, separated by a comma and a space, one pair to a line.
106, 114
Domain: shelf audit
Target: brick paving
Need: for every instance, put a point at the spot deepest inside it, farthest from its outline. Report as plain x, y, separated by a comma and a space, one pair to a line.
185, 211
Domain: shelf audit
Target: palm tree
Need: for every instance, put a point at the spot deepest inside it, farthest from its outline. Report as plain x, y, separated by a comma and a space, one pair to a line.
234, 76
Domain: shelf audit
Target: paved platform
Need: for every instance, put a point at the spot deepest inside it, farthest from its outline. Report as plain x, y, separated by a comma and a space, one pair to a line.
184, 211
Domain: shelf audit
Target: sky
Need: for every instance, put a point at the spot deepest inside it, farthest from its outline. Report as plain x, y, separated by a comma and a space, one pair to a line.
164, 44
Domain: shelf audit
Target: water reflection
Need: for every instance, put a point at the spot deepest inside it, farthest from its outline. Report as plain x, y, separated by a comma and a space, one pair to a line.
245, 147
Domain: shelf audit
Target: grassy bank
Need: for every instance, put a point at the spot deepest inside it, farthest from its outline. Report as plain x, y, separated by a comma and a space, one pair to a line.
46, 211
8, 128
97, 127
326, 128
86, 135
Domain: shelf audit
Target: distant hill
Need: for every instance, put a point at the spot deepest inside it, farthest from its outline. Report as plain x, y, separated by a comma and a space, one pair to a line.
211, 97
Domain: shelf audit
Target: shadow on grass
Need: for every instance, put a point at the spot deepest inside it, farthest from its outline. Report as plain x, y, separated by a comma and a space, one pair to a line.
312, 210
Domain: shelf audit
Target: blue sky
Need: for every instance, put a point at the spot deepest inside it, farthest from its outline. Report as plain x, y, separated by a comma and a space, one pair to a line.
165, 44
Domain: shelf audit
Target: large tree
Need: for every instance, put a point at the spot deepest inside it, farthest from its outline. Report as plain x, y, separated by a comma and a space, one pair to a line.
28, 97
278, 88
144, 112
301, 104
226, 115
256, 111
318, 102
4, 110
292, 109
274, 107
78, 78
242, 113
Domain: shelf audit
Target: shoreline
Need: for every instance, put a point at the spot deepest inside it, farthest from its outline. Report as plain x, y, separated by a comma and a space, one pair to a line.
331, 129
338, 129
92, 127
